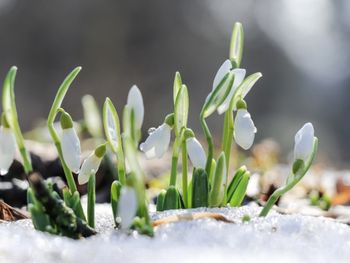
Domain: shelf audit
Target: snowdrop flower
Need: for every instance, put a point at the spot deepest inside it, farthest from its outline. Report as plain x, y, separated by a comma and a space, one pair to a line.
127, 206
7, 149
304, 141
135, 102
245, 129
70, 143
91, 164
196, 153
157, 142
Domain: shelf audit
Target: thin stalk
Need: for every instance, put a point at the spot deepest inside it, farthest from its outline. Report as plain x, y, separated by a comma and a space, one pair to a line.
91, 200
209, 139
228, 136
184, 174
175, 158
271, 201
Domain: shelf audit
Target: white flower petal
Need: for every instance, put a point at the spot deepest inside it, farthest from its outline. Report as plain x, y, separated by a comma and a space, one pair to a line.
223, 70
7, 149
89, 167
71, 149
157, 142
244, 131
135, 102
127, 206
196, 153
304, 141
239, 77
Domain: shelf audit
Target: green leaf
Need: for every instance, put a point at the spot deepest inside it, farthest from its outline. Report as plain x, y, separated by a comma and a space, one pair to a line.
216, 196
218, 95
91, 200
111, 125
160, 200
171, 199
177, 85
236, 45
200, 189
181, 109
239, 193
92, 116
235, 181
245, 87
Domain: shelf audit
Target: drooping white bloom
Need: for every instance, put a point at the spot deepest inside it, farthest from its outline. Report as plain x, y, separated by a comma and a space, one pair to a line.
70, 144
7, 149
245, 129
239, 74
127, 206
304, 141
223, 70
135, 102
89, 167
157, 142
196, 153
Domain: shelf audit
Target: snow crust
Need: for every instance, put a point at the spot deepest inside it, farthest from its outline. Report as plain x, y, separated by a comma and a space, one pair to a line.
277, 238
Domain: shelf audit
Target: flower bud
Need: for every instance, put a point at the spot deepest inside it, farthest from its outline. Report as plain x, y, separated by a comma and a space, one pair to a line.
304, 140
135, 102
70, 143
196, 153
245, 129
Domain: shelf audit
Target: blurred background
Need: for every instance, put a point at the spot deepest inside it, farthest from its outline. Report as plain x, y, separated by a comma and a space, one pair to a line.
301, 47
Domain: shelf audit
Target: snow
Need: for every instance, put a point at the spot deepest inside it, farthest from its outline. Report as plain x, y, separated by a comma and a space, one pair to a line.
276, 238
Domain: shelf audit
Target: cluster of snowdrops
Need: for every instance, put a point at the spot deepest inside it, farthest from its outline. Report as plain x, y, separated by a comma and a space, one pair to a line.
212, 183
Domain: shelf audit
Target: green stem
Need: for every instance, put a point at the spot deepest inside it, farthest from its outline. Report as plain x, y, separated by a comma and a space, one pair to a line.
184, 174
91, 200
174, 160
121, 167
209, 139
228, 136
272, 200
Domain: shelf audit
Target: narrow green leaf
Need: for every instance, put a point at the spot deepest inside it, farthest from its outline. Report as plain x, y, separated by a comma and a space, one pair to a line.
239, 193
235, 181
216, 195
218, 95
171, 199
91, 200
200, 189
181, 109
236, 45
160, 200
177, 85
92, 116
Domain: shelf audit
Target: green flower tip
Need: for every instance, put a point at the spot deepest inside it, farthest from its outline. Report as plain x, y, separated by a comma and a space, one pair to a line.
298, 165
170, 119
100, 150
241, 104
66, 121
4, 121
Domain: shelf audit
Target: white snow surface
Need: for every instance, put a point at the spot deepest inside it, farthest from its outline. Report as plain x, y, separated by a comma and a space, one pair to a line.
276, 238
